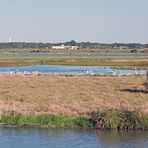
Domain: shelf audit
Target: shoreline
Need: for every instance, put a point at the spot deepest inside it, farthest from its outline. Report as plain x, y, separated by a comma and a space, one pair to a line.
100, 102
82, 50
123, 62
107, 120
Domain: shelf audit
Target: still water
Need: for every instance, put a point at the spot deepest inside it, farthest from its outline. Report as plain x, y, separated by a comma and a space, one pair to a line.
71, 138
68, 70
80, 55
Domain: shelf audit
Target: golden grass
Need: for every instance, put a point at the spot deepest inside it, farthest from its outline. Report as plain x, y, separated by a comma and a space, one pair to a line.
70, 96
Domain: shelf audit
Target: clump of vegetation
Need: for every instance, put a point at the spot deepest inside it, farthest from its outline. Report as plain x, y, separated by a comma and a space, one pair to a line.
108, 119
146, 83
116, 119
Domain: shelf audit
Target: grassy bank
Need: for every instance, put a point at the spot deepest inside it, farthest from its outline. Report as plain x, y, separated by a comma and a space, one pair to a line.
111, 119
102, 102
43, 121
122, 62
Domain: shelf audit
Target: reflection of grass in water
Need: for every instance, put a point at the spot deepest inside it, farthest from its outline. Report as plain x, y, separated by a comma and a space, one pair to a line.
117, 138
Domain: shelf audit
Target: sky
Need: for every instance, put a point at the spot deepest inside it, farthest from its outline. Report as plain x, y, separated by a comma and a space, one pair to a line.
103, 21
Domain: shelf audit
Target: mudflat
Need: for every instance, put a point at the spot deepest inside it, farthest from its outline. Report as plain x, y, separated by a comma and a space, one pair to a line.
71, 96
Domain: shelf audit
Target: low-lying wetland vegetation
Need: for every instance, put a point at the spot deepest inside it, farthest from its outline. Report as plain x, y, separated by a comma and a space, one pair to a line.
101, 102
71, 96
110, 119
115, 62
80, 50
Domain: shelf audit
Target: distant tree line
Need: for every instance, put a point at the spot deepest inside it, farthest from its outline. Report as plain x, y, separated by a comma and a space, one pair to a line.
26, 45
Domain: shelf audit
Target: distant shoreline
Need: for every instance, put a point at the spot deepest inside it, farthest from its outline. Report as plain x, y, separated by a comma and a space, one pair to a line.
112, 61
73, 51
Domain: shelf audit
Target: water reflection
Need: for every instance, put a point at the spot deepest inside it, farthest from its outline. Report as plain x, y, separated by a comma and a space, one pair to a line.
47, 138
69, 70
123, 139
71, 138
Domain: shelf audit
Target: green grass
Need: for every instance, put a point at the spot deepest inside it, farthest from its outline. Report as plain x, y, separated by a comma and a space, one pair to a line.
76, 61
121, 119
45, 120
111, 119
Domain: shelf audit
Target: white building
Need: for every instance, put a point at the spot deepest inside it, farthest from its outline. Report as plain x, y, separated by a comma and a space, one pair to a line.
58, 47
73, 47
65, 47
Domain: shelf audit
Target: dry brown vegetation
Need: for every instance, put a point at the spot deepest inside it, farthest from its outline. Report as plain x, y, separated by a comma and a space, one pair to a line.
71, 95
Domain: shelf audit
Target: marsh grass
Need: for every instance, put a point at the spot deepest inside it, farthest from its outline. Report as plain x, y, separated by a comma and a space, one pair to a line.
116, 62
45, 120
121, 119
71, 96
110, 119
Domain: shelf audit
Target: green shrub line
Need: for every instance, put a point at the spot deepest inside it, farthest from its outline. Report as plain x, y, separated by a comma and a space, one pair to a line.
110, 119
43, 121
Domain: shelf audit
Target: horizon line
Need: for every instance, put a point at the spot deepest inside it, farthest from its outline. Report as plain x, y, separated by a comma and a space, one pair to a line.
93, 42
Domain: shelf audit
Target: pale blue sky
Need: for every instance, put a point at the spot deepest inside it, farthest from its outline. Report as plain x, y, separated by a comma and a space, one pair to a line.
104, 21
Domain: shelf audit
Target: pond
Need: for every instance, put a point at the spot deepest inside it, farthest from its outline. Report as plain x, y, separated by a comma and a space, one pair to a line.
69, 70
71, 138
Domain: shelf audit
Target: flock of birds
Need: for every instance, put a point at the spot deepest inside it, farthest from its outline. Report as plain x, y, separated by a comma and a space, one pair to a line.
83, 72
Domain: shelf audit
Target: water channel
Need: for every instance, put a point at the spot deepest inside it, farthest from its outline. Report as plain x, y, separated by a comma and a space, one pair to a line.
71, 138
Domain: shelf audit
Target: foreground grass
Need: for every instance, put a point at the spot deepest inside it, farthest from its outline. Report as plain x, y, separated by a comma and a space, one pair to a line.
120, 119
111, 119
45, 120
71, 96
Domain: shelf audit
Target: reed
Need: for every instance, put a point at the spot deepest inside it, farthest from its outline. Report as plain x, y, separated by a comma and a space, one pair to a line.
110, 119
121, 119
116, 62
45, 120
